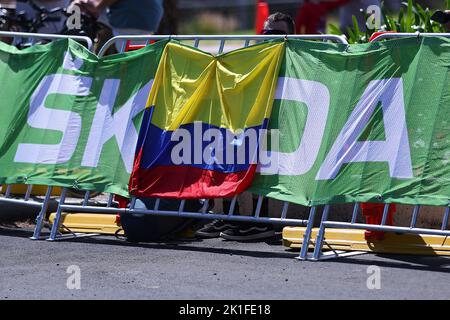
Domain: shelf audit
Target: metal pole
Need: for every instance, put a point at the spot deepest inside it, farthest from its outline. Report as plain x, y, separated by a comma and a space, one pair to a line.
285, 209
110, 200
406, 35
181, 208
222, 45
414, 217
57, 221
86, 198
8, 191
41, 216
133, 202
113, 41
232, 206
385, 214
355, 212
35, 36
28, 192
445, 220
321, 235
258, 206
123, 46
196, 43
307, 236
205, 206
375, 227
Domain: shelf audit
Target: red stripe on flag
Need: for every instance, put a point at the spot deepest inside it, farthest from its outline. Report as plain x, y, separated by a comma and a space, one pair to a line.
188, 182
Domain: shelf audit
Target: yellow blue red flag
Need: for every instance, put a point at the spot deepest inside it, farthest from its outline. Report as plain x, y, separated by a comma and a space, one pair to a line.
204, 120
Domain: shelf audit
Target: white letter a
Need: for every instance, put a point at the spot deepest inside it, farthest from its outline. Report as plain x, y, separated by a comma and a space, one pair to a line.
394, 150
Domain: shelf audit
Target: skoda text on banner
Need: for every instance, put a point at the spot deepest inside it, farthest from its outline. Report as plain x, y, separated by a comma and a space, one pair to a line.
71, 119
361, 123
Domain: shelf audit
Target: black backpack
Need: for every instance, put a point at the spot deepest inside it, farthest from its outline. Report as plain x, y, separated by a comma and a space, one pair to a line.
153, 228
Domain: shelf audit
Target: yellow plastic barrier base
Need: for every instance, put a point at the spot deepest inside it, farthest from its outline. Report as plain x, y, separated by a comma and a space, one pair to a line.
88, 223
353, 240
36, 191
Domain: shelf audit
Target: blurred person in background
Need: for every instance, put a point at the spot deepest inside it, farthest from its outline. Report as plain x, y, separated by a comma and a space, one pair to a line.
55, 22
122, 17
312, 15
126, 17
278, 23
169, 21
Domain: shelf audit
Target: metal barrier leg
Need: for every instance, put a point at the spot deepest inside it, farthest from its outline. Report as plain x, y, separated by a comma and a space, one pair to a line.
57, 221
41, 216
321, 235
320, 239
54, 232
445, 219
8, 191
307, 236
28, 192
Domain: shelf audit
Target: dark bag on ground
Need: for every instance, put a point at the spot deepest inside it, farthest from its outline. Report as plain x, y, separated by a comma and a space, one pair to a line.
152, 228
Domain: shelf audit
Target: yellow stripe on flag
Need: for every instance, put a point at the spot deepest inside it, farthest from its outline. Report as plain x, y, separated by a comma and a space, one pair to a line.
234, 90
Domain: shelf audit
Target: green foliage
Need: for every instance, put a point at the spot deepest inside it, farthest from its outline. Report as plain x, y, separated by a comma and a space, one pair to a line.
411, 18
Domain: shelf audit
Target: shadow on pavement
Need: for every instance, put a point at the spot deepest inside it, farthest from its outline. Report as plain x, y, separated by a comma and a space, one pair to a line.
412, 262
181, 244
424, 263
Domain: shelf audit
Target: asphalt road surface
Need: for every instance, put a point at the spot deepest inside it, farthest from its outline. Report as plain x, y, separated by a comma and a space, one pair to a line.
209, 269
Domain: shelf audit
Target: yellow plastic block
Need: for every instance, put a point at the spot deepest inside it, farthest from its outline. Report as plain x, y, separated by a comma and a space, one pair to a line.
354, 240
37, 190
88, 223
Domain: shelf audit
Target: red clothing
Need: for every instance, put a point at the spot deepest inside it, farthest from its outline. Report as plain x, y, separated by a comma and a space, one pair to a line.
373, 212
311, 17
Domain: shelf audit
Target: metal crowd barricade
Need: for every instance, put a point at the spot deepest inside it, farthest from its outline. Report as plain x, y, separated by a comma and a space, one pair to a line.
121, 42
43, 36
7, 194
326, 223
412, 229
255, 218
230, 215
391, 35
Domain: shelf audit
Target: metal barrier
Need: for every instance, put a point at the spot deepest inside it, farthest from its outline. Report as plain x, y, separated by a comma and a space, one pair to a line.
121, 41
386, 36
42, 36
7, 198
230, 215
325, 222
203, 214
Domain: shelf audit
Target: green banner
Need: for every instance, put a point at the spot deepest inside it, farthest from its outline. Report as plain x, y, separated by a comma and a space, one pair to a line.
361, 123
70, 119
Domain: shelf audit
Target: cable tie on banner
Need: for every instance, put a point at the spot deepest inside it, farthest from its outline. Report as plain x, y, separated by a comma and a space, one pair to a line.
418, 36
